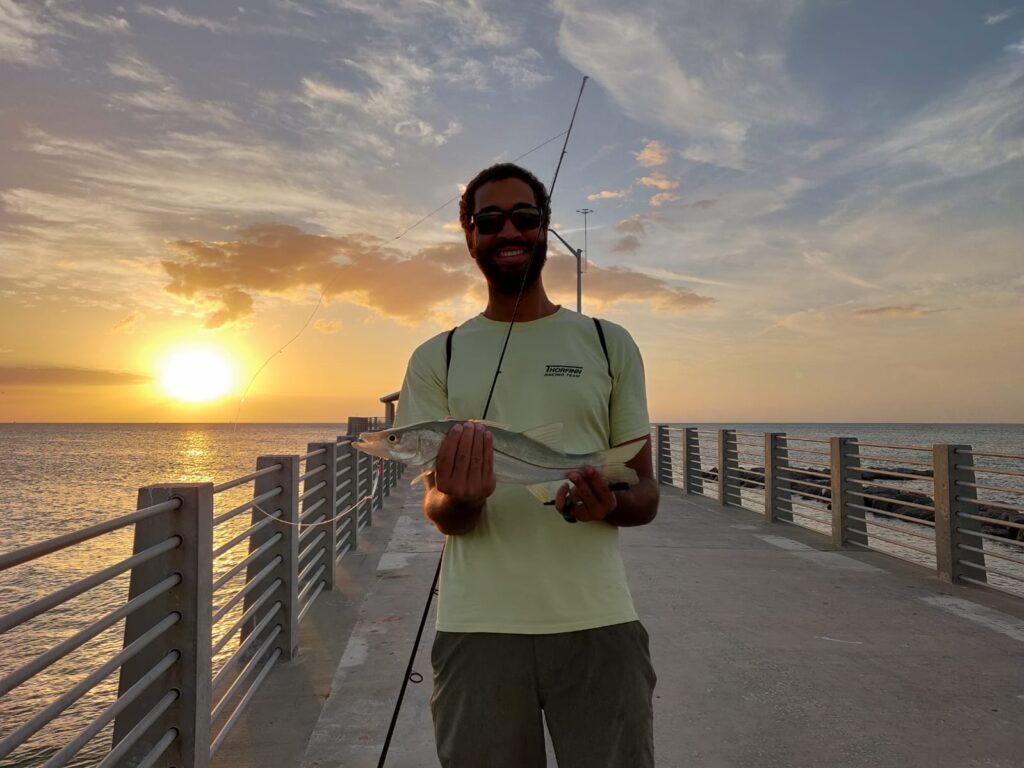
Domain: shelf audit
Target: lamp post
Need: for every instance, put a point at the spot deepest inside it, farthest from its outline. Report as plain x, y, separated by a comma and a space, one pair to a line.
579, 269
585, 211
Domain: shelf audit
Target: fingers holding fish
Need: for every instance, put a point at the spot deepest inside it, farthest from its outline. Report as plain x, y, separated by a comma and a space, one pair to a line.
465, 465
594, 499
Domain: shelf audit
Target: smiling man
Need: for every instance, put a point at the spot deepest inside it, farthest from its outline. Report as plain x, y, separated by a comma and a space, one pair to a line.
535, 619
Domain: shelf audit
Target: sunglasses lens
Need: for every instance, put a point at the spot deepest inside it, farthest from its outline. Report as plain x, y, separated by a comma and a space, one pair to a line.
489, 223
526, 219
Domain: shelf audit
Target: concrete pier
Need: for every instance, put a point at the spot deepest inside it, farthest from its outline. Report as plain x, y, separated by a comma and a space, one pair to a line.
773, 650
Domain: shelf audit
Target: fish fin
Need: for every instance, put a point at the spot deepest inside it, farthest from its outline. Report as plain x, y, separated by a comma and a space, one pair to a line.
427, 469
545, 492
547, 434
613, 463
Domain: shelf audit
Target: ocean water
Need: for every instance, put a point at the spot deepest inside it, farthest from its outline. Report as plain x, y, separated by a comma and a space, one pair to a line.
55, 478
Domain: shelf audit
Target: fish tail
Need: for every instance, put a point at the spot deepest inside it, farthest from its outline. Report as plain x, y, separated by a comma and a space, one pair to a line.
613, 462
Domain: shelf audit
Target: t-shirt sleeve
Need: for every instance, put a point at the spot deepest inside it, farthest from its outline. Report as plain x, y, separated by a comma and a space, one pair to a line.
629, 417
424, 395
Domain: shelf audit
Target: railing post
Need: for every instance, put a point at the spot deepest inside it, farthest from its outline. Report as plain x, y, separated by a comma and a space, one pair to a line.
189, 638
348, 495
328, 494
772, 479
953, 465
726, 449
284, 552
783, 487
692, 478
845, 457
664, 454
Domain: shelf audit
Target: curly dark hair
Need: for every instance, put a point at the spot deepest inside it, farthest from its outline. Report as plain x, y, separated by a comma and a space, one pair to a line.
497, 173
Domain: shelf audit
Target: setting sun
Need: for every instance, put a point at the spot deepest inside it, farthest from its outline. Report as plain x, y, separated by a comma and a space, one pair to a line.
196, 374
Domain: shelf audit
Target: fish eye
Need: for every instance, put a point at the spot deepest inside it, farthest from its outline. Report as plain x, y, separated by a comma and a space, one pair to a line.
392, 438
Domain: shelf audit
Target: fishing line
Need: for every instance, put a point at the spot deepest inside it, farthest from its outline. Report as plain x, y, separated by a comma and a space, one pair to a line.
437, 573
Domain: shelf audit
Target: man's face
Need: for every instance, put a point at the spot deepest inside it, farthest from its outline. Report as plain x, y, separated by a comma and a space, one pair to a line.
505, 256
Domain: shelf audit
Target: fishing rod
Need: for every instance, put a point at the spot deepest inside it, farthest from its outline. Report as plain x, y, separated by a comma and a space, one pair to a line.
409, 673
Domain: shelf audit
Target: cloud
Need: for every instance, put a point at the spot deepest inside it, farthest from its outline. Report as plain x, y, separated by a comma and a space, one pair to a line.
609, 195
652, 155
996, 18
663, 198
128, 323
42, 376
276, 259
703, 204
658, 181
825, 262
910, 311
22, 32
636, 224
135, 69
607, 286
627, 244
520, 69
175, 16
105, 24
328, 327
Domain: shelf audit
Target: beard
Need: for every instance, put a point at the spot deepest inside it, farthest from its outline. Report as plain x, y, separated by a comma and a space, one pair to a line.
508, 278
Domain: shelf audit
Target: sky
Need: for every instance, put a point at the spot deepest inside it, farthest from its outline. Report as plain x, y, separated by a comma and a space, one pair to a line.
803, 211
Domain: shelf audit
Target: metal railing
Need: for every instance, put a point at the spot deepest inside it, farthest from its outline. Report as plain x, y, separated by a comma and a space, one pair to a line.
948, 508
214, 602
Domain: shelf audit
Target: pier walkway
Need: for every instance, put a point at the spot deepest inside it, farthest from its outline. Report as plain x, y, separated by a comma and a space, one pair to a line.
772, 650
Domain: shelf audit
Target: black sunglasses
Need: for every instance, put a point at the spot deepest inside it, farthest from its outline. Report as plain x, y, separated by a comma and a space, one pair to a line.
491, 222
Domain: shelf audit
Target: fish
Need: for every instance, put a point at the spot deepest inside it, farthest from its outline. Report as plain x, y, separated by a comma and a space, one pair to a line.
532, 458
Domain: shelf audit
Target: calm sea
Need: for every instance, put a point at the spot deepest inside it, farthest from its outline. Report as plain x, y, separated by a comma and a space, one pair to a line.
59, 477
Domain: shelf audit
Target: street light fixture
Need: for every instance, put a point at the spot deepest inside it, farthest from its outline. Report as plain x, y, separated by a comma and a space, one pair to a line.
585, 211
579, 269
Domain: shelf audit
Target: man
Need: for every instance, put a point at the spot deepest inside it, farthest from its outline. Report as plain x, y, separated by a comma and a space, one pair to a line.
534, 614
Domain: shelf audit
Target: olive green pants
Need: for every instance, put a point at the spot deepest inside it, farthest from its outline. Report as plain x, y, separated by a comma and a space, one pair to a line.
594, 688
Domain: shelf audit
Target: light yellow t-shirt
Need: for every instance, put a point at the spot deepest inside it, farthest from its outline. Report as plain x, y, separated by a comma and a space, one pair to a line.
523, 569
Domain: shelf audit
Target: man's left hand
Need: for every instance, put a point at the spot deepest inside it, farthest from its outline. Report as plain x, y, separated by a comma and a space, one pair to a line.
591, 498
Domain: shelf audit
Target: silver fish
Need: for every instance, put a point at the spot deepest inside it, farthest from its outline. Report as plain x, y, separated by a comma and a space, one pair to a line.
529, 458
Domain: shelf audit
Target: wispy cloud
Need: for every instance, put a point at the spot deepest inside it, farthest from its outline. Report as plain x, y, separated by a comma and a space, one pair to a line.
910, 311
23, 32
133, 68
652, 155
997, 18
128, 323
663, 198
609, 194
658, 181
175, 16
35, 376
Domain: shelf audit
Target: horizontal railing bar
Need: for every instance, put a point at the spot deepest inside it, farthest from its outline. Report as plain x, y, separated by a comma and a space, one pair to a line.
898, 516
159, 748
889, 459
305, 608
247, 478
311, 454
892, 554
113, 710
310, 491
1018, 491
315, 471
807, 439
805, 472
25, 732
306, 513
827, 454
344, 538
249, 586
342, 500
313, 579
894, 447
989, 503
805, 483
805, 506
248, 532
241, 564
971, 452
249, 612
991, 571
122, 747
809, 496
990, 537
30, 611
344, 470
873, 484
891, 473
254, 501
912, 504
929, 552
888, 527
342, 553
342, 486
245, 701
33, 551
304, 553
991, 521
246, 671
978, 469
990, 553
244, 646
309, 566
311, 527
61, 650
743, 481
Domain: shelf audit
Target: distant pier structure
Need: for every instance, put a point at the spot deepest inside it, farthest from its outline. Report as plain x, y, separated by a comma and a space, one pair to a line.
779, 563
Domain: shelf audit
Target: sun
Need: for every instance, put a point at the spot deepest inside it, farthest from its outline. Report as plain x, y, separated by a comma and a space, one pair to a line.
196, 374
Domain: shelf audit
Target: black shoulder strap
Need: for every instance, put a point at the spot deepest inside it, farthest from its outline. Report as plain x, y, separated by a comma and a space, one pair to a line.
604, 345
448, 351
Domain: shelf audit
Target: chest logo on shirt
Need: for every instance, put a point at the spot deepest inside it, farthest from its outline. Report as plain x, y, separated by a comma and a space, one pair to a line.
571, 371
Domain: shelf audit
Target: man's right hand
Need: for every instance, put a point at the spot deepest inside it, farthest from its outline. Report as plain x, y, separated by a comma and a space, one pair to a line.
463, 478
